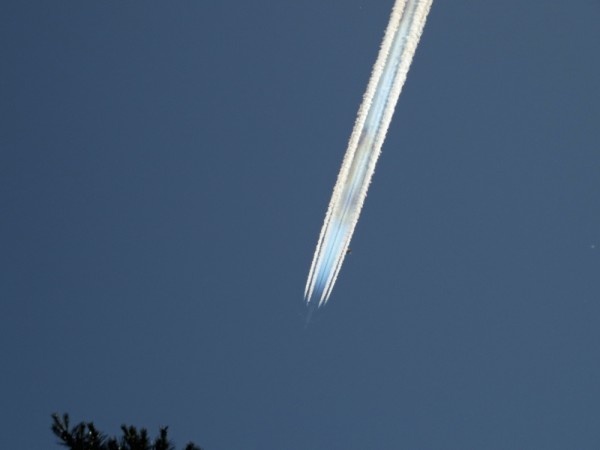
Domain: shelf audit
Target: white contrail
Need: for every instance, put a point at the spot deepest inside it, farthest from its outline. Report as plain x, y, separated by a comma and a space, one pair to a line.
374, 117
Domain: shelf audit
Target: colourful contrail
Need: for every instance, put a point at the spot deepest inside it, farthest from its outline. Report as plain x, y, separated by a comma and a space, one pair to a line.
374, 117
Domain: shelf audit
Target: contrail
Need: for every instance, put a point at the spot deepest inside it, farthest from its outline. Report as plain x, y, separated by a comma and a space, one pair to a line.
374, 117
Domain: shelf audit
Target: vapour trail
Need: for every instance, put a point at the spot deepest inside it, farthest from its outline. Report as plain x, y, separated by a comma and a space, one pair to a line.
373, 120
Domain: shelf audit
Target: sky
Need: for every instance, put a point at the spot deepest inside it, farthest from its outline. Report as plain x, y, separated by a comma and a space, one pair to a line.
165, 168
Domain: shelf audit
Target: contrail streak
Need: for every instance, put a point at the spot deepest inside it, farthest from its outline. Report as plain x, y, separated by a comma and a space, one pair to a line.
374, 117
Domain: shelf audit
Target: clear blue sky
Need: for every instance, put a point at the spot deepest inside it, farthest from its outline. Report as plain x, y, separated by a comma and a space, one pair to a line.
164, 173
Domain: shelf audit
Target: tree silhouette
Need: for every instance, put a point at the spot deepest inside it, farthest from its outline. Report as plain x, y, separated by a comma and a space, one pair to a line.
85, 436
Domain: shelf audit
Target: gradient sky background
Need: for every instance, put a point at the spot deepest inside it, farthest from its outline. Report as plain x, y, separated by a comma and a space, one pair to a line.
164, 172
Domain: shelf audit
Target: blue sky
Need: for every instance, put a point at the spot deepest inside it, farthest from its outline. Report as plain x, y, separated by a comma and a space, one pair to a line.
164, 173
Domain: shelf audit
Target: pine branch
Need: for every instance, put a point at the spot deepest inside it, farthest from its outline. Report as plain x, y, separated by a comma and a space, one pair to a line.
85, 436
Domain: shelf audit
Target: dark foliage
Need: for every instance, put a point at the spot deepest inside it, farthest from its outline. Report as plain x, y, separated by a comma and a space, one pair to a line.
85, 436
